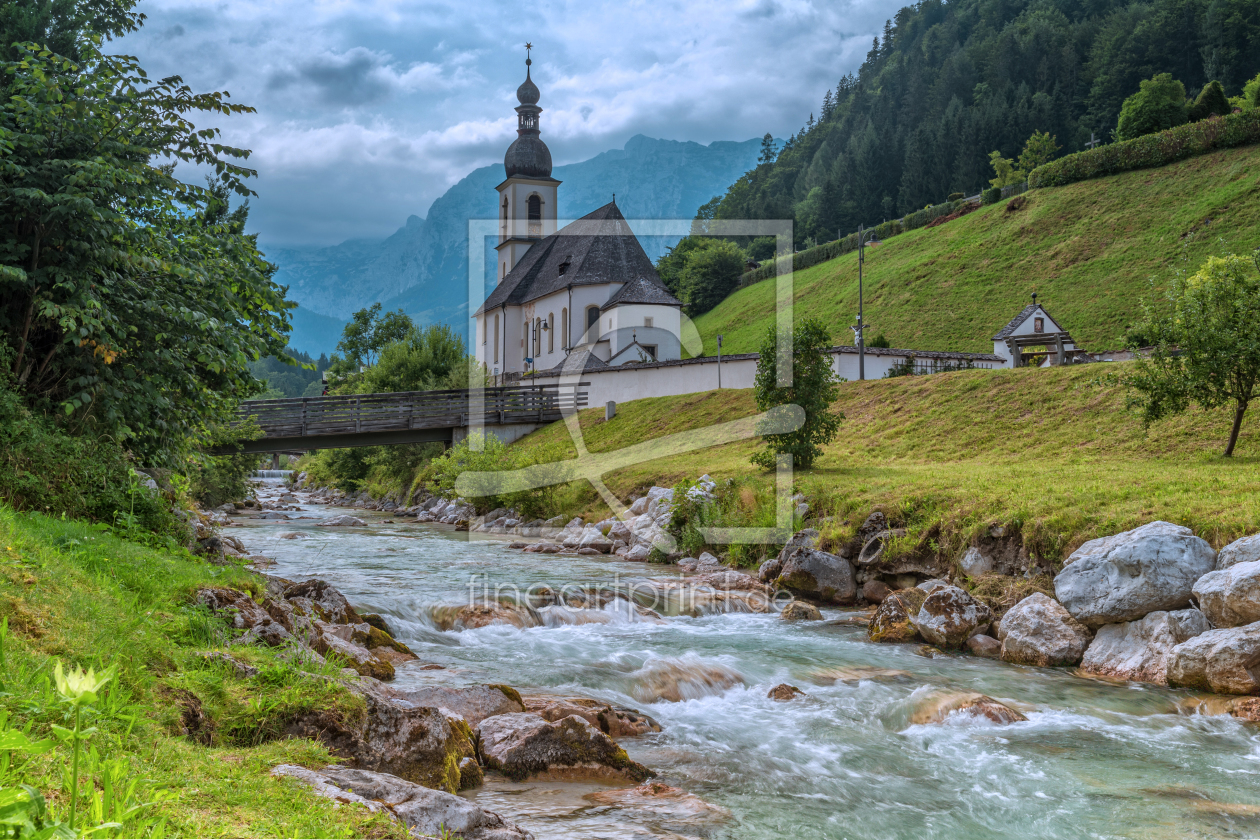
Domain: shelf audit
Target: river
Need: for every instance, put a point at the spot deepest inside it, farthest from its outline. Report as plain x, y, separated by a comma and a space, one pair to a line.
1092, 760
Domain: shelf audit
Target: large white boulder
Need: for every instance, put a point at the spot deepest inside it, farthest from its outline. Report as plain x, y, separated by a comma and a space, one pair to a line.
1244, 550
1039, 631
1224, 661
949, 617
1230, 597
1138, 650
1125, 576
817, 574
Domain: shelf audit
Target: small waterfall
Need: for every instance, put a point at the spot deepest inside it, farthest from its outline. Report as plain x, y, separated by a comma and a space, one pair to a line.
272, 473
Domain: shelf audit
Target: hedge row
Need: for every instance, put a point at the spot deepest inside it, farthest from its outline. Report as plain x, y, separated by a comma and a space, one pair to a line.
1157, 149
821, 253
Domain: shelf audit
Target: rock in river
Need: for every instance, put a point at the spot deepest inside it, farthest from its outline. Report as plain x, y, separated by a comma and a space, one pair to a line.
687, 678
613, 721
428, 813
800, 611
948, 617
1039, 631
473, 703
938, 706
523, 746
1224, 661
1230, 597
345, 520
804, 570
416, 743
1138, 650
1125, 576
891, 622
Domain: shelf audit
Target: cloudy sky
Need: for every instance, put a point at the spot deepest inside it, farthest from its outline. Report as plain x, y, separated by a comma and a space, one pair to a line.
370, 109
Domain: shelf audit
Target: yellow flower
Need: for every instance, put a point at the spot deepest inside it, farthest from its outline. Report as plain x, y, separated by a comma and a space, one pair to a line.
78, 688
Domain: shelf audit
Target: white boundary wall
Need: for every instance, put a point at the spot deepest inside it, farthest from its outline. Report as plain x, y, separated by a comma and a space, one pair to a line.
693, 376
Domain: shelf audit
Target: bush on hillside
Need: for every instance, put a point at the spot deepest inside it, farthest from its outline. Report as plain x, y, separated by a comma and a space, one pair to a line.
1159, 104
1211, 102
991, 195
1158, 149
44, 469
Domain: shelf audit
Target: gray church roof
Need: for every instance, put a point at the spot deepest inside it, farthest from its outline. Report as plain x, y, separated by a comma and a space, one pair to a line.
596, 249
1009, 329
642, 290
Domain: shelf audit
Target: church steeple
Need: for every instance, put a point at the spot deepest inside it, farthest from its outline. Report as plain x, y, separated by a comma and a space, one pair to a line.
528, 155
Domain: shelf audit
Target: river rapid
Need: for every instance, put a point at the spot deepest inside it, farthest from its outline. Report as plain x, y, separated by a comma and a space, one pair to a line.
1092, 760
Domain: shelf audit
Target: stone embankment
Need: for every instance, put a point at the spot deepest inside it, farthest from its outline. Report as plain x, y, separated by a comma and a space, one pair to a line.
412, 750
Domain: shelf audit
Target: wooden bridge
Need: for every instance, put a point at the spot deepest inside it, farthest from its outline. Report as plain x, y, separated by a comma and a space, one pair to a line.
341, 422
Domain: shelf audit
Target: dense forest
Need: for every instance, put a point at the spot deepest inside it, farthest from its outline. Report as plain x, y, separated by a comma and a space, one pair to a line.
949, 83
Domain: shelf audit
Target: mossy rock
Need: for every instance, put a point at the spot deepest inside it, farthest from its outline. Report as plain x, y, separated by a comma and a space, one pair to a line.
891, 622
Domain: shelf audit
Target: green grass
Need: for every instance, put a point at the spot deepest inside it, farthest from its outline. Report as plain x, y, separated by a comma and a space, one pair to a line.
1052, 452
1090, 250
78, 595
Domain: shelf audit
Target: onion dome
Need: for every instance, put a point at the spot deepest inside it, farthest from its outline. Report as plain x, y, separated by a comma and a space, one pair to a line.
528, 156
527, 93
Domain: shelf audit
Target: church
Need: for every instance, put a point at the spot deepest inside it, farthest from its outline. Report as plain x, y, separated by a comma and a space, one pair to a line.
586, 288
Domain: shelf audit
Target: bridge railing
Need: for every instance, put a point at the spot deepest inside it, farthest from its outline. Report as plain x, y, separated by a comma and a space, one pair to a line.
362, 413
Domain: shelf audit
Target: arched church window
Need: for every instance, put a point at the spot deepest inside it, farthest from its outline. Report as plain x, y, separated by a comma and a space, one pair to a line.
535, 208
592, 316
564, 328
551, 332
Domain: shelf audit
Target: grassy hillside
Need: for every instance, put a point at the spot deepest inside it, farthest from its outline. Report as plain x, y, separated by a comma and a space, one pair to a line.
1090, 250
198, 740
1052, 451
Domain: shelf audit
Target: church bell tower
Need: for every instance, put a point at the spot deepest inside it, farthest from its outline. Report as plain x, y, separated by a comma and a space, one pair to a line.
527, 199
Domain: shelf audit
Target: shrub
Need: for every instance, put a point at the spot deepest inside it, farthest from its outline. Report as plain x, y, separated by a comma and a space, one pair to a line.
1157, 149
495, 485
1159, 104
956, 197
44, 469
813, 389
1211, 102
992, 195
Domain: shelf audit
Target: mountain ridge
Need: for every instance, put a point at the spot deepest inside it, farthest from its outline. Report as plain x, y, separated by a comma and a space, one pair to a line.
422, 267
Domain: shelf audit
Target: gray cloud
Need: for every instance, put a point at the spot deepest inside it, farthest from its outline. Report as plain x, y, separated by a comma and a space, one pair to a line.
368, 111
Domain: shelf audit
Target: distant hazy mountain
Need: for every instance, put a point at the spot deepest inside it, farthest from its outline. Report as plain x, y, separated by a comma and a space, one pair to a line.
423, 268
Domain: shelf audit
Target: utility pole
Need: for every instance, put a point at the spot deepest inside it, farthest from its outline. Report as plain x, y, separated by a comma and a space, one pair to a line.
860, 330
719, 362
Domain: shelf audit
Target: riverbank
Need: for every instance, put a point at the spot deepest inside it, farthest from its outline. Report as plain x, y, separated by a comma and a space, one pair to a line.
75, 594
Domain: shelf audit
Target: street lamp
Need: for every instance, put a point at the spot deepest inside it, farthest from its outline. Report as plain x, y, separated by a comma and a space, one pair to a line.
864, 236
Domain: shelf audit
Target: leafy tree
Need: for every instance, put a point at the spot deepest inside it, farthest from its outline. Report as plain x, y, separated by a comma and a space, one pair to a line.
813, 388
1251, 92
1207, 345
368, 333
1005, 172
130, 302
700, 224
1159, 104
1211, 102
1039, 149
671, 264
421, 361
63, 25
710, 273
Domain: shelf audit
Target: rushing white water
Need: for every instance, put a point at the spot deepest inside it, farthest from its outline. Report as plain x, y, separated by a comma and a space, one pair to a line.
272, 474
1092, 760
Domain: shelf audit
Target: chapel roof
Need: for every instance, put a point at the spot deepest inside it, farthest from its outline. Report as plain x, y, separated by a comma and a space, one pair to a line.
598, 248
1024, 315
642, 290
